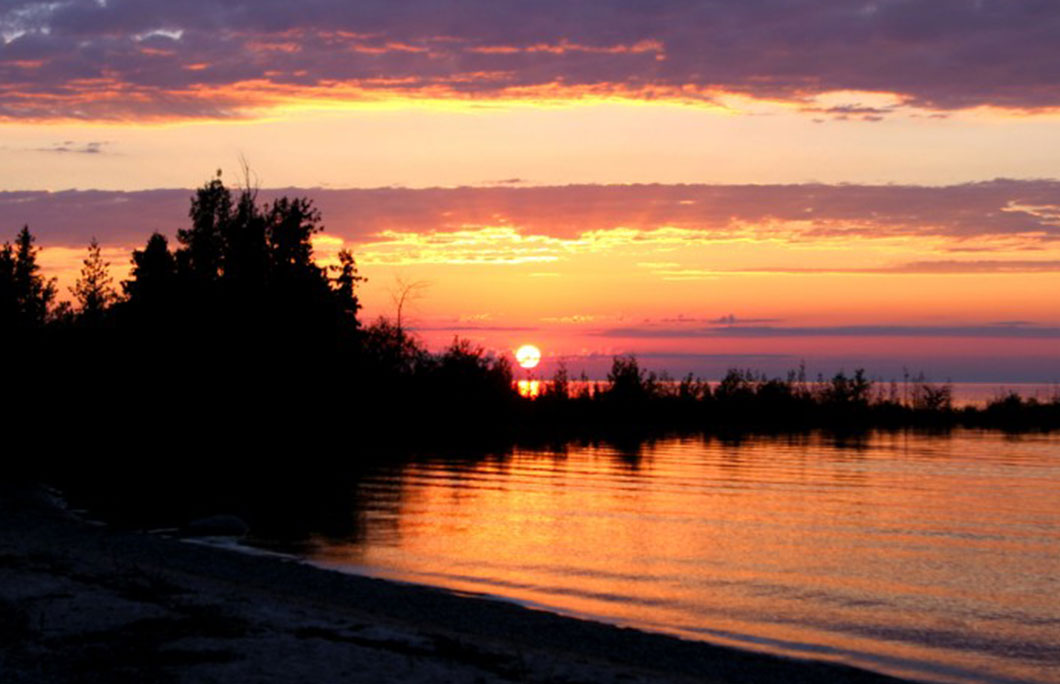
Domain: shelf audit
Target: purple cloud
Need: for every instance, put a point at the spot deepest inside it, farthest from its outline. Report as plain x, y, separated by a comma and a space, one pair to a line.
991, 331
732, 319
1022, 212
163, 59
70, 147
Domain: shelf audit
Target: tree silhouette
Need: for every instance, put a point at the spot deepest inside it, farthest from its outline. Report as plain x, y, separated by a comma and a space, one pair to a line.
626, 381
242, 292
153, 273
25, 295
466, 375
244, 255
210, 213
559, 387
247, 245
345, 287
290, 226
93, 290
390, 353
844, 391
8, 298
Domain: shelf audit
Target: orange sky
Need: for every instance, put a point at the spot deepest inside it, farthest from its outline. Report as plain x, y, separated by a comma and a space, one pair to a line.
703, 185
694, 278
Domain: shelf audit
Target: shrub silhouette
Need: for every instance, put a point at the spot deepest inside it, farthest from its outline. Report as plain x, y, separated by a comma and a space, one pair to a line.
558, 389
627, 383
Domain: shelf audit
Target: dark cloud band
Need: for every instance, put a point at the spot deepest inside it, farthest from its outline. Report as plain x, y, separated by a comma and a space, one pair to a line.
963, 331
1021, 213
199, 58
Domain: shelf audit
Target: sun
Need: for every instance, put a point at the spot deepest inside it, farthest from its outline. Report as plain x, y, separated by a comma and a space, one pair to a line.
528, 356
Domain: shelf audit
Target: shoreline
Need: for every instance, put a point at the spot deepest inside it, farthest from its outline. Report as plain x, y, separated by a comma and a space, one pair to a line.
80, 602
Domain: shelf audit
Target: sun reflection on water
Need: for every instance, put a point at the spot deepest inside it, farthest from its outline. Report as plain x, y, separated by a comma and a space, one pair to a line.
531, 389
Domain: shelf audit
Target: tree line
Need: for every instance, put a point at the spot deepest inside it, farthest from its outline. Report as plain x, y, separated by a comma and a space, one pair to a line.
746, 400
236, 330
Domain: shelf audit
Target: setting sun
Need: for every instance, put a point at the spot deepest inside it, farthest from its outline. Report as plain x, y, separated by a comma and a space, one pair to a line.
528, 356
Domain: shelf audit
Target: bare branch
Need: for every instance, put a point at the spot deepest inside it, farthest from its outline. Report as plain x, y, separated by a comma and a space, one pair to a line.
251, 181
403, 293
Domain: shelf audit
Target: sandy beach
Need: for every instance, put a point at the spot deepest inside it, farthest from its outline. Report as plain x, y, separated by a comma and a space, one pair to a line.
80, 602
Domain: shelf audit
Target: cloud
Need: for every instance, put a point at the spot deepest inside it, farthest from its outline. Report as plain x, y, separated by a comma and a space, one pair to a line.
731, 319
507, 181
151, 59
70, 218
575, 319
71, 147
473, 328
917, 331
945, 267
848, 111
545, 224
470, 245
728, 319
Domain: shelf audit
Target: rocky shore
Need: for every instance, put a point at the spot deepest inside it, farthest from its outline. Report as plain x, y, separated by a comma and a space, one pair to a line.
84, 603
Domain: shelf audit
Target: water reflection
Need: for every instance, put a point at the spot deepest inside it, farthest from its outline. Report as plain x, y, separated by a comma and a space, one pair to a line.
923, 556
530, 389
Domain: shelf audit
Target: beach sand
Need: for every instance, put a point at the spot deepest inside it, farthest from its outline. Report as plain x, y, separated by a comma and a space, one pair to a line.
81, 602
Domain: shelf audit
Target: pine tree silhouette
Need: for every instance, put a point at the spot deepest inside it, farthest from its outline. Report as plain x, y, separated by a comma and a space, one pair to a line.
94, 289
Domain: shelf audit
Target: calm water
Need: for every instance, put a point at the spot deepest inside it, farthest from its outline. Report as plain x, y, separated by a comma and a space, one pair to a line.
936, 558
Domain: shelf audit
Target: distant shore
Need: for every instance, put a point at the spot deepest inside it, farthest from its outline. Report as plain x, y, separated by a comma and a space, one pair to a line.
85, 603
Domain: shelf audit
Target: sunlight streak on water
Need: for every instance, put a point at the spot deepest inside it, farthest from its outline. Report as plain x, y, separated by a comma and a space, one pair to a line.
931, 557
529, 388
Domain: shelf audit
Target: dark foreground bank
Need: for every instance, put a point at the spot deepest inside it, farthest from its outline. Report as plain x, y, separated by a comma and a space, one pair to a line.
83, 603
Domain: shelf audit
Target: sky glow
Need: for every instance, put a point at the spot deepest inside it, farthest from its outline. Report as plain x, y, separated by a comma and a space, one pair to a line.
704, 184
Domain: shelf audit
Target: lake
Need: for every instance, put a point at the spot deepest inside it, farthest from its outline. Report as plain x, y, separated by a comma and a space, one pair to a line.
931, 557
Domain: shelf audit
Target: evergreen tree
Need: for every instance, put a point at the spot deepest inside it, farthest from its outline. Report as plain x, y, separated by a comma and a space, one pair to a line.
8, 300
153, 273
203, 244
244, 255
345, 286
33, 294
94, 290
290, 227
